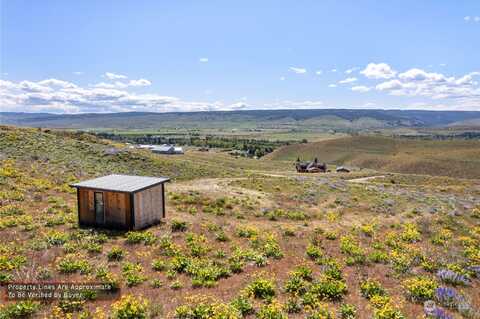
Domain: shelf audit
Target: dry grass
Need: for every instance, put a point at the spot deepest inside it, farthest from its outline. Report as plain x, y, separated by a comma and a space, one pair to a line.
454, 158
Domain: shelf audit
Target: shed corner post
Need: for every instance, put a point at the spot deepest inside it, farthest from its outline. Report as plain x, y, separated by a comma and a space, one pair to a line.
78, 206
163, 201
132, 212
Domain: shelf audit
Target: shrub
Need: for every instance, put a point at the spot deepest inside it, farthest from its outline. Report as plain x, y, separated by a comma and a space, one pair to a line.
133, 274
348, 311
206, 309
410, 233
5, 277
243, 305
129, 307
272, 310
296, 285
156, 283
378, 256
320, 314
221, 236
329, 289
21, 309
314, 252
293, 306
73, 263
116, 253
178, 226
387, 311
246, 232
420, 288
56, 238
159, 265
370, 288
331, 235
350, 247
176, 285
137, 237
261, 288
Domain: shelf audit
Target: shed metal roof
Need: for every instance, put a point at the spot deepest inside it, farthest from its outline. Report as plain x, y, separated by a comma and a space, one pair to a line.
122, 183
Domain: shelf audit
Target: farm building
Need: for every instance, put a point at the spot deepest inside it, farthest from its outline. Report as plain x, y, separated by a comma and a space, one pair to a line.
121, 201
310, 167
167, 149
342, 169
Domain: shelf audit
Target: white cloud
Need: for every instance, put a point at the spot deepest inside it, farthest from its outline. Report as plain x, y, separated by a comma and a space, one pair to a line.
361, 88
351, 70
333, 70
318, 72
203, 60
123, 85
113, 76
332, 85
282, 78
378, 71
421, 75
57, 83
28, 86
348, 80
472, 18
419, 83
78, 73
56, 96
298, 70
139, 82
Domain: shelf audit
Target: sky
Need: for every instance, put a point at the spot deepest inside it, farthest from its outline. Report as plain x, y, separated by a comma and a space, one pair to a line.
162, 56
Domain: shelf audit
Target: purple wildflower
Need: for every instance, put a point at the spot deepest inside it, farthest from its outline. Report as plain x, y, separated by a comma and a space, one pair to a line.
441, 314
432, 311
448, 297
452, 277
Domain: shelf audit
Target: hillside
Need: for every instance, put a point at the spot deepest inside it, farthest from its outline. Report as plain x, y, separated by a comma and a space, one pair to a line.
79, 155
454, 158
242, 238
344, 119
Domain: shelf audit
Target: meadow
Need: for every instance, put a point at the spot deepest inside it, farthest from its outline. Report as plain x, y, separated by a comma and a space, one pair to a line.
245, 238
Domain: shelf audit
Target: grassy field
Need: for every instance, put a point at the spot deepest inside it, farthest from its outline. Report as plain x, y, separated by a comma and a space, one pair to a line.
454, 158
243, 238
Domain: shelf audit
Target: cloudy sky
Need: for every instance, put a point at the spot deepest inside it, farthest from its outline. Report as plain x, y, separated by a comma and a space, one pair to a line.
108, 56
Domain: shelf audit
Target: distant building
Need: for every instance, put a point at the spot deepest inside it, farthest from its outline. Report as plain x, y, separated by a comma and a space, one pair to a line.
164, 149
342, 169
167, 149
121, 201
310, 167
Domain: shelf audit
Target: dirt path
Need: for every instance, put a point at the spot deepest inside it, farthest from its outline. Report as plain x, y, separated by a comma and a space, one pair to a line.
364, 180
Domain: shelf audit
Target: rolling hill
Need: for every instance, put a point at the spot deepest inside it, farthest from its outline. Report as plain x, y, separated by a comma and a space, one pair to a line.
346, 119
454, 158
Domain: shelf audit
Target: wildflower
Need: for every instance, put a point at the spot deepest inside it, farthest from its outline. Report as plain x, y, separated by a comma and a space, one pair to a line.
452, 277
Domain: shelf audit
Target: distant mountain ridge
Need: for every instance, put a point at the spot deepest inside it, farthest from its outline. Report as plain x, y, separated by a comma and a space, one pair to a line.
324, 118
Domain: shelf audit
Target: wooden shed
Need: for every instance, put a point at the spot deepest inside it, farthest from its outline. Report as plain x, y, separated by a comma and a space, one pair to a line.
121, 201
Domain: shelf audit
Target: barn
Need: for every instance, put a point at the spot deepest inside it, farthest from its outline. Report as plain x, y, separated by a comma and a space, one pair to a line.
121, 201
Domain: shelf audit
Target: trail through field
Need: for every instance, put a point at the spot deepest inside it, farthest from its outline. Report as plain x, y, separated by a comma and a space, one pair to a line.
364, 180
218, 187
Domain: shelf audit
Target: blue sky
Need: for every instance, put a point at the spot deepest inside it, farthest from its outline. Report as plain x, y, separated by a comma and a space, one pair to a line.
103, 56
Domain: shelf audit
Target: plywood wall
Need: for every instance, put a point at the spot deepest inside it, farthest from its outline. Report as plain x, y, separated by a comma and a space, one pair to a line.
117, 208
148, 206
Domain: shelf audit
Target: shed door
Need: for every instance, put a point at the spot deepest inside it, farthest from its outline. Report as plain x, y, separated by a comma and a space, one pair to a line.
99, 208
